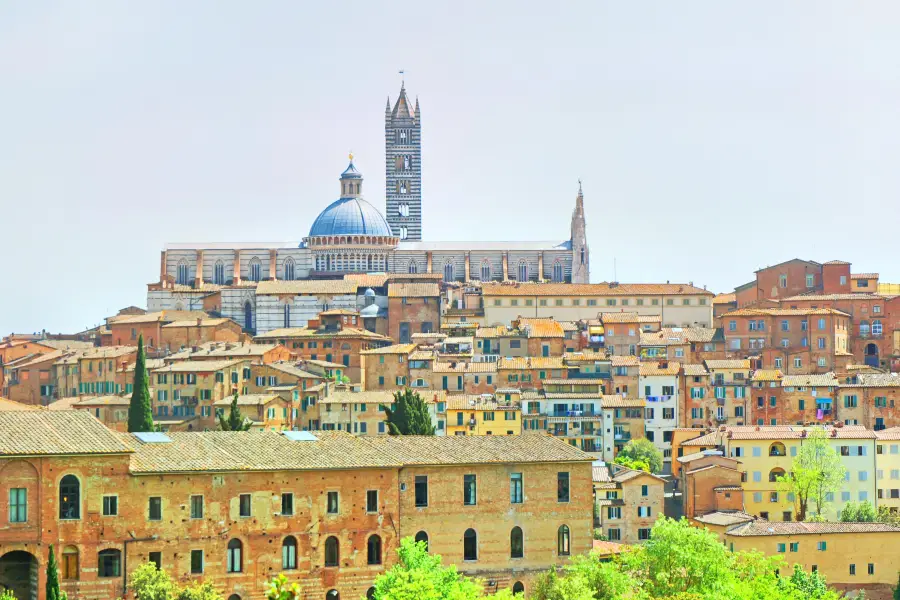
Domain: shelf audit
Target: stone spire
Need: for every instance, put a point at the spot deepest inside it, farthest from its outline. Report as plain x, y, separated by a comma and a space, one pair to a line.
581, 272
403, 167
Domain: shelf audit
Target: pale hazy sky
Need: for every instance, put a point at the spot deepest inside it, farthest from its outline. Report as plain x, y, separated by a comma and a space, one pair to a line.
712, 137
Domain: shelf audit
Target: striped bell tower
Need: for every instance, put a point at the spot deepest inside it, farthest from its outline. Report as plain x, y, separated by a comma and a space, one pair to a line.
403, 167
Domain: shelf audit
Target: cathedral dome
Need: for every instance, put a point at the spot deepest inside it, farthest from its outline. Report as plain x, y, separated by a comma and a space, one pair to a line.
350, 215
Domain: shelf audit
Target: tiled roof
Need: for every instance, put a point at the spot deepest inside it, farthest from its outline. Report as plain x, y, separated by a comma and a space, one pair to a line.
687, 458
46, 432
463, 366
569, 326
293, 370
11, 405
628, 317
864, 276
248, 400
891, 434
149, 364
594, 384
709, 439
836, 262
703, 334
339, 312
695, 370
767, 375
367, 279
111, 400
163, 316
573, 395
725, 518
422, 355
222, 350
414, 290
325, 364
371, 397
623, 475
530, 362
617, 401
395, 349
668, 336
542, 328
197, 366
305, 332
587, 354
875, 380
759, 528
592, 289
725, 298
496, 331
204, 287
308, 287
108, 352
37, 359
474, 402
653, 369
601, 474
728, 364
66, 403
624, 361
825, 380
783, 312
847, 432
818, 297
67, 344
602, 548
207, 322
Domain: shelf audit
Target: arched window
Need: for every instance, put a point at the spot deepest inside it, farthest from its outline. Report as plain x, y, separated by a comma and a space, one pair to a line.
518, 588
332, 552
248, 316
370, 593
876, 327
470, 545
448, 271
234, 597
219, 273
333, 595
235, 556
774, 474
254, 269
562, 540
287, 315
69, 498
289, 269
184, 272
863, 328
516, 543
109, 563
777, 449
522, 274
413, 267
404, 232
557, 271
485, 271
374, 550
69, 563
422, 537
289, 553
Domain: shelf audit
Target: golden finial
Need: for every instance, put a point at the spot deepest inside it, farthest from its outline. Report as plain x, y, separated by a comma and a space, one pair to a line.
351, 156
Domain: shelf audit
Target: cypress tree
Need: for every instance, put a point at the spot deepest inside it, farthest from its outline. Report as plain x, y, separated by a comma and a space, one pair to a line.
409, 415
140, 413
235, 420
52, 577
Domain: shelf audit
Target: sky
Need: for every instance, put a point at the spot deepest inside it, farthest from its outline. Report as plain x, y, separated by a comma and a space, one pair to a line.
713, 138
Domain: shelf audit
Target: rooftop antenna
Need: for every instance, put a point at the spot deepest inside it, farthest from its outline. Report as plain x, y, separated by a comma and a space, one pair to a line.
402, 78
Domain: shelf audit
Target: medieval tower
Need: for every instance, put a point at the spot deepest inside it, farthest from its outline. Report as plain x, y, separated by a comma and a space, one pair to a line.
403, 167
581, 265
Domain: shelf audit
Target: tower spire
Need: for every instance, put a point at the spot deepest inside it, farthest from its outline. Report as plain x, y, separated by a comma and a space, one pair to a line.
580, 259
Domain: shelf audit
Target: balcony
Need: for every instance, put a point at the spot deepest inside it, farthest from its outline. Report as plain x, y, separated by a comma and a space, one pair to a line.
721, 418
622, 436
659, 398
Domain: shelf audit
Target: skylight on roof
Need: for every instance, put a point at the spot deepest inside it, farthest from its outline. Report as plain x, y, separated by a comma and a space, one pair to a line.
300, 436
152, 437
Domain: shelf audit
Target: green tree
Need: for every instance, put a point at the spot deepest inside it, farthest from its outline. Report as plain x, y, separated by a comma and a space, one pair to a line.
811, 585
7, 595
897, 589
639, 451
140, 413
280, 590
150, 583
419, 575
199, 591
816, 472
235, 421
52, 587
863, 512
886, 516
409, 415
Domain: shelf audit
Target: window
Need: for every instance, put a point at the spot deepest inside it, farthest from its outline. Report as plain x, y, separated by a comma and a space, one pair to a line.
522, 274
156, 559
518, 588
372, 501
516, 543
196, 562
469, 490
333, 503
70, 562
853, 569
470, 545
422, 537
373, 550
421, 490
219, 274
154, 509
643, 511
822, 546
196, 507
645, 490
795, 546
289, 269
515, 488
562, 487
485, 271
871, 568
644, 534
109, 563
18, 505
287, 504
448, 271
69, 498
244, 505
235, 560
557, 272
562, 540
332, 552
255, 269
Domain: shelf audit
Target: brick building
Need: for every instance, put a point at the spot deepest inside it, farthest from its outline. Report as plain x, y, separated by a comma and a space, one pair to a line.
627, 502
413, 308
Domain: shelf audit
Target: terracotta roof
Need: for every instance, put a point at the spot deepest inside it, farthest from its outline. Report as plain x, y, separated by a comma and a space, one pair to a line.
44, 432
207, 322
370, 397
496, 331
617, 401
293, 369
875, 380
817, 297
569, 326
624, 361
11, 405
601, 474
204, 287
110, 400
591, 289
587, 355
628, 317
542, 328
463, 366
37, 359
248, 400
668, 336
624, 474
573, 395
728, 364
149, 364
687, 458
326, 364
783, 312
163, 316
320, 333
725, 298
864, 276
709, 439
395, 349
725, 518
577, 382
760, 528
307, 287
606, 548
414, 290
67, 344
890, 434
422, 355
695, 370
767, 375
765, 432
367, 279
339, 312
836, 262
222, 350
826, 380
530, 362
197, 366
66, 403
474, 402
653, 369
107, 352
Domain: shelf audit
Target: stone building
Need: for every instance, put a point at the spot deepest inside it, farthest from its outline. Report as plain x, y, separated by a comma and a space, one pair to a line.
237, 508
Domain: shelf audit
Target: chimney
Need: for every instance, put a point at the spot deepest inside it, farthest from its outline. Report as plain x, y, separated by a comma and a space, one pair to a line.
199, 321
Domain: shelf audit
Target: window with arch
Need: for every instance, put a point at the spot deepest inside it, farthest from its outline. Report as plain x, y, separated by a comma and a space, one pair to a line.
69, 498
184, 272
370, 593
373, 550
448, 271
332, 552
522, 271
485, 271
516, 543
219, 273
289, 553
413, 267
235, 562
234, 597
404, 232
69, 563
332, 595
864, 328
248, 316
403, 209
777, 449
254, 269
562, 540
470, 545
876, 327
774, 474
518, 588
289, 268
287, 315
422, 537
109, 563
557, 271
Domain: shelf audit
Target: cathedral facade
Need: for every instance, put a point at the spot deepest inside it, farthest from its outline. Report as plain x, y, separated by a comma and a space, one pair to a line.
266, 286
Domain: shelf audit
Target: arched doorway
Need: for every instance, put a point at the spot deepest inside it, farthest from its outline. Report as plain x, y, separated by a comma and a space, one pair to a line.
872, 355
248, 316
19, 574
